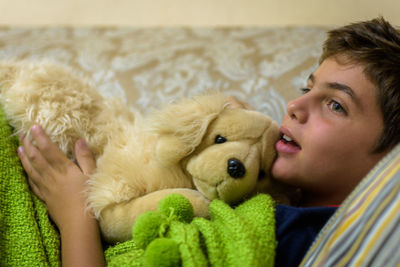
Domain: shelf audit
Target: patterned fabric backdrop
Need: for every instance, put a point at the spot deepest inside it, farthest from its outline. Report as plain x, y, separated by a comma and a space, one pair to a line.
151, 66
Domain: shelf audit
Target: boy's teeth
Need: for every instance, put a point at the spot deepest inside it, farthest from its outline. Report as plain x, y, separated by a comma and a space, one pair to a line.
287, 138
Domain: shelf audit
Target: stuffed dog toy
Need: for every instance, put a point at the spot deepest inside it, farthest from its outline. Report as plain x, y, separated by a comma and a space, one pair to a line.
201, 148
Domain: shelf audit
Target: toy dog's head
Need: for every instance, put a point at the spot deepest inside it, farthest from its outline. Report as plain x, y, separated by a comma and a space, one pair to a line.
225, 150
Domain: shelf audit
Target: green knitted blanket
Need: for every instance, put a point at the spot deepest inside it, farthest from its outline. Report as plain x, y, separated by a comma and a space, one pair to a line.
27, 237
241, 236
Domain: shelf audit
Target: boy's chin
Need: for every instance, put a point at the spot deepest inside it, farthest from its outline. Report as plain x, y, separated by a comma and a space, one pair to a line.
281, 171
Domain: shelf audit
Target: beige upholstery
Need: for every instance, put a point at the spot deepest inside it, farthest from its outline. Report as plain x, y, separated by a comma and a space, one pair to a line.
151, 66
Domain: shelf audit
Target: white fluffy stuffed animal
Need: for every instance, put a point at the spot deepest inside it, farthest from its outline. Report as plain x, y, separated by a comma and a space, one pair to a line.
201, 148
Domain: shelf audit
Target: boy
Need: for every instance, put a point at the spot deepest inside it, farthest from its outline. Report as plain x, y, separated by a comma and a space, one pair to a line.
346, 121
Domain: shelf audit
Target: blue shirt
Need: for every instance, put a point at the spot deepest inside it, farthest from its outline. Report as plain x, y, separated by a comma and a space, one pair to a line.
296, 229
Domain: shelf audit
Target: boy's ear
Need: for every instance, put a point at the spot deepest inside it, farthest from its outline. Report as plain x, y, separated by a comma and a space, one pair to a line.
181, 126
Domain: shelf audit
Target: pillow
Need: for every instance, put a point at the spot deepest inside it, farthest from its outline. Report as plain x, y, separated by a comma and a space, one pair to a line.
365, 230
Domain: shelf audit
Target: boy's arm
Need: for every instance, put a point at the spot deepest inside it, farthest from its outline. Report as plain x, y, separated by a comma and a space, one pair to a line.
61, 184
81, 244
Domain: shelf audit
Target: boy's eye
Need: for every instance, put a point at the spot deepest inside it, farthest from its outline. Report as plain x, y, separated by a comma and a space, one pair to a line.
336, 107
305, 90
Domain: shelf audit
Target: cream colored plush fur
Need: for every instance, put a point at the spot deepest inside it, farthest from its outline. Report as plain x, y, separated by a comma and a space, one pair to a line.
141, 159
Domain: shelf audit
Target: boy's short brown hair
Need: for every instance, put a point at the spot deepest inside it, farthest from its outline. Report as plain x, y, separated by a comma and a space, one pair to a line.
376, 45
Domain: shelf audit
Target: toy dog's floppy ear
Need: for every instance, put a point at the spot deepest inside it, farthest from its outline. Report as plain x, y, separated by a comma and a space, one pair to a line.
8, 71
182, 125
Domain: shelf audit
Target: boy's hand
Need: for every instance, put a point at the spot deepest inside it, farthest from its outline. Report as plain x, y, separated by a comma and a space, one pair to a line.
234, 103
55, 179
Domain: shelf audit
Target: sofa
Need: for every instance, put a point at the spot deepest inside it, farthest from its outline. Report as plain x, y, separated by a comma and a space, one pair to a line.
265, 66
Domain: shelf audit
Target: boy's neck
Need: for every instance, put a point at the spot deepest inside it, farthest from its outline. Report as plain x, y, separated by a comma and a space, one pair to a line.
318, 200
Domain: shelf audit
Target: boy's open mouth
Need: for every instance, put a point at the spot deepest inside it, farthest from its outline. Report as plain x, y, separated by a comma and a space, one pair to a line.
287, 145
287, 140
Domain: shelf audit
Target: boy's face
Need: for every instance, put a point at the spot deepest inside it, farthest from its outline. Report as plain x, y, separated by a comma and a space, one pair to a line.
334, 127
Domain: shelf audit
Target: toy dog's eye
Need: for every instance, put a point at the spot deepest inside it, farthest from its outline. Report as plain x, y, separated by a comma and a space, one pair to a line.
220, 139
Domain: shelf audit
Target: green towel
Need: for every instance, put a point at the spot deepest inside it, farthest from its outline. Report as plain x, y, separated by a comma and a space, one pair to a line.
241, 236
244, 236
27, 237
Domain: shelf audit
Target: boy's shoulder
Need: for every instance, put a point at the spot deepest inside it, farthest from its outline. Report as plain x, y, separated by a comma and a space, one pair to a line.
296, 229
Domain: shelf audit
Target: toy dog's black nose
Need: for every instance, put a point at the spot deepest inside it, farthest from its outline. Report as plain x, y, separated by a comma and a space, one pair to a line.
236, 168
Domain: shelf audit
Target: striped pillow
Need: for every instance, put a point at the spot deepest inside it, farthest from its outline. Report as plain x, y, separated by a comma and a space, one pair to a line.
365, 230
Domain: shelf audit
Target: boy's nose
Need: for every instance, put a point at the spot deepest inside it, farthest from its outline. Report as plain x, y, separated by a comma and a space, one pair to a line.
297, 110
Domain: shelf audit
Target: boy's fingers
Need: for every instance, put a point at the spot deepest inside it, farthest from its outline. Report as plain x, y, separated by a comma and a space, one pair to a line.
35, 189
247, 106
84, 157
234, 103
34, 176
49, 150
33, 161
